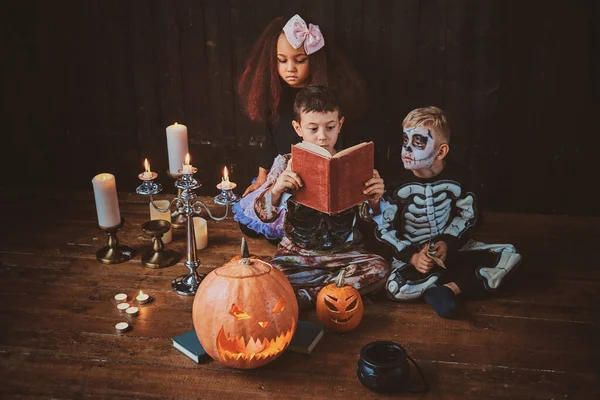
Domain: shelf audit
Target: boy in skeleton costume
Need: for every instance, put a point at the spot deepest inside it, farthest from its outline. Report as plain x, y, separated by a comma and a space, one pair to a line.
316, 245
429, 220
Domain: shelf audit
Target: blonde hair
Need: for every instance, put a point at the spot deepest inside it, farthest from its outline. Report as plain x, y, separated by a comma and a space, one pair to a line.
429, 117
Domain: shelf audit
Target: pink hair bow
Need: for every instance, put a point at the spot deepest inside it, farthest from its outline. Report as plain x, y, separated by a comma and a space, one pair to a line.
297, 33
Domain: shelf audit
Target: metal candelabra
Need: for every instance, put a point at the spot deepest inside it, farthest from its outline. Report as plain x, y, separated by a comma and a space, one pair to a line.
186, 205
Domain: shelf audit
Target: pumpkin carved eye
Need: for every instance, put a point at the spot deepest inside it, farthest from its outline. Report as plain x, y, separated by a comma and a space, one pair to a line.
279, 306
329, 304
352, 305
238, 313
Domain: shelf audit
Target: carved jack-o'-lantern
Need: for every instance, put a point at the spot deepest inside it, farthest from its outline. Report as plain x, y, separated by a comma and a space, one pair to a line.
245, 313
339, 306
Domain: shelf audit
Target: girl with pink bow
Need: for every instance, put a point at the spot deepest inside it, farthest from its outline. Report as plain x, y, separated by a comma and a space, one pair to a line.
289, 54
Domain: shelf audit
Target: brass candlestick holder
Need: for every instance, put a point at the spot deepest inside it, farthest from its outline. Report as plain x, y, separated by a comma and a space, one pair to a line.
158, 257
187, 205
113, 252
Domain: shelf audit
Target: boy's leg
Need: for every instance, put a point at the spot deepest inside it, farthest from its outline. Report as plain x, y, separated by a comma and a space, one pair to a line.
406, 283
308, 273
479, 269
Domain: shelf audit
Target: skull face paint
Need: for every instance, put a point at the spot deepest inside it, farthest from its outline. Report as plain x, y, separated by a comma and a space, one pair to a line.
418, 148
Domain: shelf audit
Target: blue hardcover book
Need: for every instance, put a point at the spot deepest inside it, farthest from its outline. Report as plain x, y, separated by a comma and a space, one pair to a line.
306, 337
189, 345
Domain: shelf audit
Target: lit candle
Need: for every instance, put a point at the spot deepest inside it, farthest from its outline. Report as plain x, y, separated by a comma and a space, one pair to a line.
107, 203
201, 233
177, 145
155, 214
187, 168
225, 184
142, 298
147, 173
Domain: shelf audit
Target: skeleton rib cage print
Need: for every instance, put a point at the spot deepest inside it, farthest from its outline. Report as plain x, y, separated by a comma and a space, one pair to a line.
427, 213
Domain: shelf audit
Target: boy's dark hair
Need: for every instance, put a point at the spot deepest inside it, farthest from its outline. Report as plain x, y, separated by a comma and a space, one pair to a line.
316, 98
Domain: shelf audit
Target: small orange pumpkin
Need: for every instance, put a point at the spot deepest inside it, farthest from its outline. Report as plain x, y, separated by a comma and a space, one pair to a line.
339, 306
245, 313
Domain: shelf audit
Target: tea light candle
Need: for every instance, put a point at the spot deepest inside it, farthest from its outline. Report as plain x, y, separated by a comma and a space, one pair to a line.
155, 214
132, 311
107, 203
187, 168
201, 233
120, 297
122, 306
177, 144
142, 298
122, 327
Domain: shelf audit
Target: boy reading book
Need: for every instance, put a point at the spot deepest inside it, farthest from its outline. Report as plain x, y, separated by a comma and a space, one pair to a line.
332, 183
317, 245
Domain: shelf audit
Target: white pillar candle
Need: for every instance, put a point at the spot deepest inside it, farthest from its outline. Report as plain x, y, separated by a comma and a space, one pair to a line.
107, 203
155, 214
201, 232
177, 143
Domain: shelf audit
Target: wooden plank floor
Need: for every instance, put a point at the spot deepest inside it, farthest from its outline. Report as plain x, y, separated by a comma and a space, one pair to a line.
536, 340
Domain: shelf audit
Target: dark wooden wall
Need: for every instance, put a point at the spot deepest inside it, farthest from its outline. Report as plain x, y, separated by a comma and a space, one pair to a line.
89, 86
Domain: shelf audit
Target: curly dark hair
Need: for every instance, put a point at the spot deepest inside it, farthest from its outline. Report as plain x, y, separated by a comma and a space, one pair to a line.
260, 86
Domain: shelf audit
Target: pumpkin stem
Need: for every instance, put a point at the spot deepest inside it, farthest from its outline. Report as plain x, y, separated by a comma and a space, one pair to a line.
244, 251
340, 278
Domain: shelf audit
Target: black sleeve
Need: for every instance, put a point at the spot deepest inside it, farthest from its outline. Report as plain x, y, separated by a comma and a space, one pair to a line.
269, 149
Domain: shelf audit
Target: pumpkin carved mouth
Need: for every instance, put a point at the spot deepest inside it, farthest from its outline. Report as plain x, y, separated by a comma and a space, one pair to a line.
341, 320
238, 347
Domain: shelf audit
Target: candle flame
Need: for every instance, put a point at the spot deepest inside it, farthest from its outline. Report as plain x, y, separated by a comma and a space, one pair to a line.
146, 165
225, 175
175, 124
187, 159
141, 293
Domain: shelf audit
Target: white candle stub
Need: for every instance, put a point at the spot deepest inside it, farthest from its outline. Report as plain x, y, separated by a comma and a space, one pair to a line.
133, 311
142, 298
122, 327
120, 297
122, 306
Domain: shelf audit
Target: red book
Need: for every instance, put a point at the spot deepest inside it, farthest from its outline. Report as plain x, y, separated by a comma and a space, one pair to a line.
332, 184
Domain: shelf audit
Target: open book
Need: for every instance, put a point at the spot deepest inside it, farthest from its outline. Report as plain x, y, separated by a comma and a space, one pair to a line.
332, 184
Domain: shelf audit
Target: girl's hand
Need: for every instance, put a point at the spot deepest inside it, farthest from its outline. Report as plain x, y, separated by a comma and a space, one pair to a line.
253, 187
421, 261
260, 179
374, 189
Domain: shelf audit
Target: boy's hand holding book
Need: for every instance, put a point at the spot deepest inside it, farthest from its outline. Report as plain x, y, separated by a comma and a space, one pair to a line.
374, 188
287, 180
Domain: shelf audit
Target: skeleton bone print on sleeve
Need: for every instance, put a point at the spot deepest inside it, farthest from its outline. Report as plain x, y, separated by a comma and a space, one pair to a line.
427, 213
